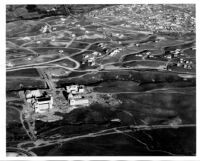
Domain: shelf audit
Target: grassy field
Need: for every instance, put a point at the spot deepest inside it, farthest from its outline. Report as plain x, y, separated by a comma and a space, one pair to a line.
25, 28
78, 45
145, 64
17, 41
66, 51
124, 75
65, 63
75, 74
23, 73
12, 115
24, 83
189, 53
131, 86
18, 53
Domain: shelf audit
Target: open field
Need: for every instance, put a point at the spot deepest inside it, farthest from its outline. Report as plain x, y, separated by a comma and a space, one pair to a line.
124, 75
23, 73
21, 83
129, 143
145, 64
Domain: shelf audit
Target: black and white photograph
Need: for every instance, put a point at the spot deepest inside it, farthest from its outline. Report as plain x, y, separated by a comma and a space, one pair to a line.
100, 79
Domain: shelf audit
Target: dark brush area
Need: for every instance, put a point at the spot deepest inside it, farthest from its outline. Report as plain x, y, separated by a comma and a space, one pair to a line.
29, 12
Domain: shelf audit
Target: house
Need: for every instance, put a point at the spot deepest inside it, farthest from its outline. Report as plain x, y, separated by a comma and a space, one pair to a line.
29, 58
44, 29
10, 64
182, 60
137, 45
179, 64
185, 66
102, 45
169, 56
91, 59
113, 53
34, 93
42, 105
62, 19
72, 88
60, 51
25, 38
82, 28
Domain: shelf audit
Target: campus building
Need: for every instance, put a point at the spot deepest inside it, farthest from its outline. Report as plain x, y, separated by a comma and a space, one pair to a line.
75, 89
75, 95
40, 102
75, 102
42, 105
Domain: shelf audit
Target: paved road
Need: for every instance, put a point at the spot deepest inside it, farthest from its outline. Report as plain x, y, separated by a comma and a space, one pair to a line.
105, 132
20, 151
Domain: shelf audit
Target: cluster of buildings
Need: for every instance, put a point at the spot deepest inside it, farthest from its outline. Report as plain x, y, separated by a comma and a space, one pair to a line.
118, 35
115, 51
187, 64
82, 28
102, 45
41, 102
173, 54
90, 58
76, 95
145, 55
52, 9
46, 29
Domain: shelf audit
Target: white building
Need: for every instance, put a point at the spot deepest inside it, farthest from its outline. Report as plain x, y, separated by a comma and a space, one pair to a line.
169, 57
10, 64
82, 28
42, 105
75, 89
73, 35
44, 29
115, 52
87, 32
33, 93
60, 51
72, 88
25, 38
75, 102
91, 59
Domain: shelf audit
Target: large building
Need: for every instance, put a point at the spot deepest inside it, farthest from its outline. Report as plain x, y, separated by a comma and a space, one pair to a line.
76, 95
43, 104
